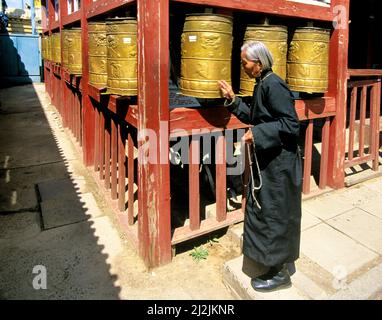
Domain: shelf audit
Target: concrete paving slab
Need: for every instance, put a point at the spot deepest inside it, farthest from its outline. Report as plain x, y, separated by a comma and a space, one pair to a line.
362, 288
107, 237
332, 250
16, 199
308, 220
358, 195
21, 225
375, 185
57, 213
28, 176
235, 233
76, 266
373, 207
360, 226
327, 206
239, 283
60, 212
58, 188
308, 286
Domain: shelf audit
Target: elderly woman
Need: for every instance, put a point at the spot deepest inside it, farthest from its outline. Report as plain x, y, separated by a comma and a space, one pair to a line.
273, 211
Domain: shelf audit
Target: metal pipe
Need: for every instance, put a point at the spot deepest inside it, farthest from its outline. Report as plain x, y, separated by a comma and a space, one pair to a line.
33, 21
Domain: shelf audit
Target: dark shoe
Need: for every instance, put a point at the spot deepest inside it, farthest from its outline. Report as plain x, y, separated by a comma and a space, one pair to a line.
271, 282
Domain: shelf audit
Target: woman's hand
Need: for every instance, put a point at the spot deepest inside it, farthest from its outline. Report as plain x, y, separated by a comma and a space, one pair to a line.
226, 90
248, 137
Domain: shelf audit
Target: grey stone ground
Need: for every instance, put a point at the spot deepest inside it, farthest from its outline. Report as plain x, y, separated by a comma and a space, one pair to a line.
53, 214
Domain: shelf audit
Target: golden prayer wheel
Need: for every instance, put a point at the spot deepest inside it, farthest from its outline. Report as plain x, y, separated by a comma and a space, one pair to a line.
206, 54
49, 48
73, 39
43, 47
122, 58
97, 54
276, 40
65, 49
308, 60
56, 45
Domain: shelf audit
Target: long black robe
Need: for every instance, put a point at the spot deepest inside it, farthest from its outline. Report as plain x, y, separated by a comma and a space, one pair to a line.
272, 234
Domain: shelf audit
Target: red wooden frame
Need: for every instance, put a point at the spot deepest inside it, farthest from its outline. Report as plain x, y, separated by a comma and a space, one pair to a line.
274, 7
105, 150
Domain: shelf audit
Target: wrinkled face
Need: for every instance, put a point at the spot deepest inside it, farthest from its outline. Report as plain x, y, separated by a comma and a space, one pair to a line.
252, 68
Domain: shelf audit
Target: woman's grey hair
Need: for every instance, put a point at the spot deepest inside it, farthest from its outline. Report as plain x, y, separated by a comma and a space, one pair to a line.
258, 51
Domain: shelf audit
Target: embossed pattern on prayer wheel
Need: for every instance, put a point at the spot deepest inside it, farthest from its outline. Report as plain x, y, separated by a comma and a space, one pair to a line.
308, 59
276, 40
97, 54
206, 47
122, 58
56, 44
44, 47
49, 48
73, 38
65, 49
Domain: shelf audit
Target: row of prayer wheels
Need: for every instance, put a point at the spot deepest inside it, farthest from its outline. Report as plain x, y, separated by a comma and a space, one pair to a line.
206, 47
112, 53
71, 49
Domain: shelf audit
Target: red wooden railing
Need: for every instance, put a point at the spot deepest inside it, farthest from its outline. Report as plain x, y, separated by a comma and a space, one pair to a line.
365, 104
107, 125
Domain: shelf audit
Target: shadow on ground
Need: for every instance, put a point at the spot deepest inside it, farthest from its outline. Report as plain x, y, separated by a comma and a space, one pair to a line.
43, 217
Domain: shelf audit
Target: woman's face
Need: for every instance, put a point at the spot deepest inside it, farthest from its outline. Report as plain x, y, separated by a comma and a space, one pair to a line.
252, 68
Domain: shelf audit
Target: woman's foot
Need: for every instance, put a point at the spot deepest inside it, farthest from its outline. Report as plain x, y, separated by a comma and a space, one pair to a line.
276, 278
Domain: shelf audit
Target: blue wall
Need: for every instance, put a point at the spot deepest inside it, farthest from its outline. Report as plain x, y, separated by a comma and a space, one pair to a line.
20, 60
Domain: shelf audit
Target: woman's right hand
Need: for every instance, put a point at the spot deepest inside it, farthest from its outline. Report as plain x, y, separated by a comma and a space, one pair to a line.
226, 90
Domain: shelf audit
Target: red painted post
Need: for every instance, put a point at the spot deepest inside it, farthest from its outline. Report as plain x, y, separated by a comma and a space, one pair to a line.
130, 182
353, 107
96, 141
221, 178
308, 157
114, 158
107, 150
121, 167
376, 105
154, 223
338, 65
193, 176
63, 87
87, 107
361, 144
324, 154
101, 144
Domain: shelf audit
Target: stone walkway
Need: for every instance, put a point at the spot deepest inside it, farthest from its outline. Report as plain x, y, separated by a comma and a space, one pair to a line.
54, 219
341, 249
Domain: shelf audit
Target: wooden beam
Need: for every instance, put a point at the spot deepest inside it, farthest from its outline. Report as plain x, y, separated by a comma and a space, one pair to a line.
221, 178
154, 224
193, 177
87, 107
274, 7
308, 157
364, 72
338, 63
103, 6
324, 154
185, 233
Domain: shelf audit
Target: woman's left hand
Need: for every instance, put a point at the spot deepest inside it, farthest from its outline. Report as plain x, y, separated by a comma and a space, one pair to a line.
248, 137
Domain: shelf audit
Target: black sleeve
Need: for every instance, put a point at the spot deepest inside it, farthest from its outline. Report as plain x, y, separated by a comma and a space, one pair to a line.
278, 100
241, 110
